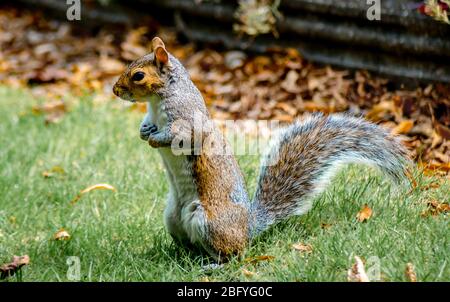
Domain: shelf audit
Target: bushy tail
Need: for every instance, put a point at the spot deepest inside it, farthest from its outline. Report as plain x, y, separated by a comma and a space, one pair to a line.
307, 154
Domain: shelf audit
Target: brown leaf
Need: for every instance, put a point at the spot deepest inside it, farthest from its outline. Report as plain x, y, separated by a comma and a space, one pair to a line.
259, 258
53, 171
364, 214
434, 185
357, 273
404, 127
307, 248
379, 110
444, 131
410, 273
9, 269
435, 208
111, 66
91, 188
325, 226
248, 273
62, 234
290, 83
433, 167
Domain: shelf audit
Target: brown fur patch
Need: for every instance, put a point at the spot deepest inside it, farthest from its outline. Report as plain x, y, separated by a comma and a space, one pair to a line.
216, 177
151, 82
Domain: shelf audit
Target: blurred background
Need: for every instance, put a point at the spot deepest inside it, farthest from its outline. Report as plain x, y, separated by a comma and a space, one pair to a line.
251, 59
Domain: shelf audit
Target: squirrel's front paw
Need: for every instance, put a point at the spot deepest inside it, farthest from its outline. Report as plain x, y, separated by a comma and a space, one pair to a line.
146, 130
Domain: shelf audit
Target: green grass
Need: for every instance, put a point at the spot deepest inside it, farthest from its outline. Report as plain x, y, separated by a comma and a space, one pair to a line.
120, 236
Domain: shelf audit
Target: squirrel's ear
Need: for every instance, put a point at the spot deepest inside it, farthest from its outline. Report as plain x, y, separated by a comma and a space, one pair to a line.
158, 47
161, 55
157, 42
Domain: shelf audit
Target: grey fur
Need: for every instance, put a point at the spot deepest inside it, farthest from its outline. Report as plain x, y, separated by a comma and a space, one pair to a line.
307, 156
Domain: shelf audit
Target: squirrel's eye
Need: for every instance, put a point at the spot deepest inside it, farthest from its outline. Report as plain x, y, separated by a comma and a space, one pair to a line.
138, 76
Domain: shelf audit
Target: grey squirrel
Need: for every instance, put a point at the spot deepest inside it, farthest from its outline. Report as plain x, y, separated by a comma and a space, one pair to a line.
208, 203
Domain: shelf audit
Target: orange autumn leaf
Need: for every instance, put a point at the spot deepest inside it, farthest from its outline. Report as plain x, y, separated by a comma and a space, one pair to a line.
403, 127
364, 214
62, 234
92, 188
427, 167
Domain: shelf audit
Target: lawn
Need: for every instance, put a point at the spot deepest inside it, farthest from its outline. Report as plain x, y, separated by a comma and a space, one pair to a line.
120, 236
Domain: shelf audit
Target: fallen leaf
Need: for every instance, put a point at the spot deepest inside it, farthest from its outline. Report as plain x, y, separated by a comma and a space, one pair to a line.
259, 258
307, 248
411, 178
357, 273
234, 59
364, 214
62, 234
428, 168
54, 170
91, 188
9, 269
434, 185
290, 83
379, 110
410, 273
98, 187
435, 208
444, 131
404, 127
111, 66
248, 273
325, 226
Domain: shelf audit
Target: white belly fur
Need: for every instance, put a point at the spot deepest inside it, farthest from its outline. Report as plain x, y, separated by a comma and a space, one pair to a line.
184, 216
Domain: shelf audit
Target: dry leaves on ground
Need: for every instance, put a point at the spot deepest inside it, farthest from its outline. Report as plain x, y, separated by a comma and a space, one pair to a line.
357, 273
364, 214
434, 208
9, 269
279, 85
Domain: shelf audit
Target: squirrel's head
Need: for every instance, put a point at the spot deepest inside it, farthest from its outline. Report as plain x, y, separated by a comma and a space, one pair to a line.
145, 76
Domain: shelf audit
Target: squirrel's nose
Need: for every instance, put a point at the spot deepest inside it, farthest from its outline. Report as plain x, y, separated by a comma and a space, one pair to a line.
117, 89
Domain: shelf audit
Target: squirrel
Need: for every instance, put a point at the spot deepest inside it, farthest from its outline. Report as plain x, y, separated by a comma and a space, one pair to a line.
208, 204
